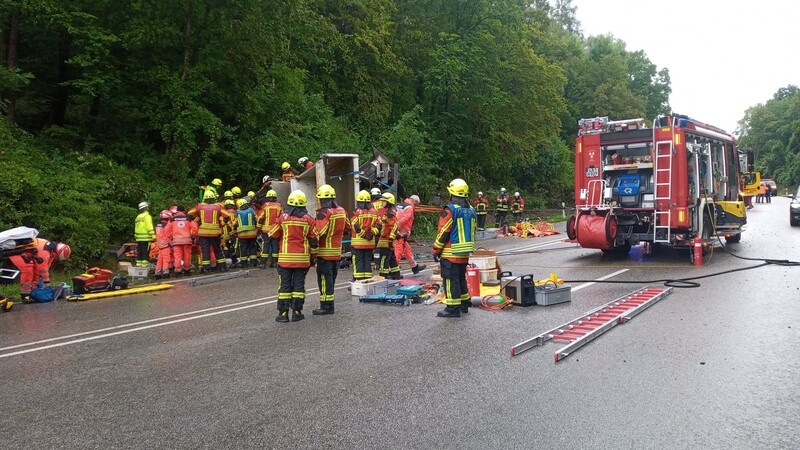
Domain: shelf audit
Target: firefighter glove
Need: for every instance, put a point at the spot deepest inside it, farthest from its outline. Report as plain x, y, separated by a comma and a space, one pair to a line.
437, 257
313, 261
357, 227
368, 235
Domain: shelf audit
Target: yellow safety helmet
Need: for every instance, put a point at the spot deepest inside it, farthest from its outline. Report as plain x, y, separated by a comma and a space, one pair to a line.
271, 194
229, 202
251, 194
363, 196
389, 197
285, 166
458, 188
326, 191
227, 194
209, 195
297, 198
236, 191
240, 202
216, 182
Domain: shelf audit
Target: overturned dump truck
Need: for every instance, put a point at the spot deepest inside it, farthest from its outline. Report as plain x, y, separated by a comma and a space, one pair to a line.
340, 170
665, 184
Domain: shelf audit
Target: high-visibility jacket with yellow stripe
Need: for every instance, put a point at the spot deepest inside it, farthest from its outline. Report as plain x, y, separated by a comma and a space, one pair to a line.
331, 225
143, 230
209, 216
364, 223
389, 230
269, 215
455, 239
298, 240
245, 223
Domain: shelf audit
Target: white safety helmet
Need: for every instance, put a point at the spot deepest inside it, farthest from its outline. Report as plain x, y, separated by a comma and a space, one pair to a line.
266, 178
375, 191
143, 206
415, 199
480, 193
502, 189
516, 194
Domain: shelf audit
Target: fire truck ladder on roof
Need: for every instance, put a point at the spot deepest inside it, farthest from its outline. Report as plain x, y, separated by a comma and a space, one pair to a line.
586, 328
663, 197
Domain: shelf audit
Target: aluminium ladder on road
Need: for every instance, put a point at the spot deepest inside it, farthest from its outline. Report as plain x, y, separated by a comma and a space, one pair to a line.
663, 188
586, 328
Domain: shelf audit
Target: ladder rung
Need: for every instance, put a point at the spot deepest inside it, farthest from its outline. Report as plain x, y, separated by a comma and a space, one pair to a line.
560, 337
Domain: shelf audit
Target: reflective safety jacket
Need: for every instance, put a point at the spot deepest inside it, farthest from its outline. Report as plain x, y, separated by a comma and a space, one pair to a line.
331, 225
245, 223
144, 231
517, 204
162, 239
389, 230
269, 215
405, 220
209, 216
455, 238
181, 231
502, 202
298, 240
481, 205
364, 223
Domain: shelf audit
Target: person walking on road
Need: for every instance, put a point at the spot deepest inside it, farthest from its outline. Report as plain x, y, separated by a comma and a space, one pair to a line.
455, 241
331, 225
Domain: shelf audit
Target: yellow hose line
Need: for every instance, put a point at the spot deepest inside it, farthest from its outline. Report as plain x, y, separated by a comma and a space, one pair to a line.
137, 290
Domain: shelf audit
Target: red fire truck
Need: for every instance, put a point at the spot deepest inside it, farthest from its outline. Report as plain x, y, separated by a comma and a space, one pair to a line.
665, 184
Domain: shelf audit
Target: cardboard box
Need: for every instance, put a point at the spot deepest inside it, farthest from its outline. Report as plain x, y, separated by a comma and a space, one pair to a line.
484, 262
488, 274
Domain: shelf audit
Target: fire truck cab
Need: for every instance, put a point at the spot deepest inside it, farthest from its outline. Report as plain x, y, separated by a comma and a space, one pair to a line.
667, 184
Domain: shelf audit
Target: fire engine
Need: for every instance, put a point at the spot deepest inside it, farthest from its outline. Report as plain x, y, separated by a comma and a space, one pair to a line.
670, 183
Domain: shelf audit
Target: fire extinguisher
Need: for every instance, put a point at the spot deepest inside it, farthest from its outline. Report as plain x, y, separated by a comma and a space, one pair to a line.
697, 243
473, 280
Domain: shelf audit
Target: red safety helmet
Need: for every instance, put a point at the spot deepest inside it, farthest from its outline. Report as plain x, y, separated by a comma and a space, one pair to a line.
63, 251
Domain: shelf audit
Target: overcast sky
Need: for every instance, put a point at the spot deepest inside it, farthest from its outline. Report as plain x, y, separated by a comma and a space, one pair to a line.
723, 56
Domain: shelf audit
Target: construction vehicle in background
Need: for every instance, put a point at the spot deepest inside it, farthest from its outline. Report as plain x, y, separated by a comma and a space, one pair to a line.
667, 184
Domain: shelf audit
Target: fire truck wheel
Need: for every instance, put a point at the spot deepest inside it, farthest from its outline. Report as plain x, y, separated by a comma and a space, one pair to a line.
571, 227
622, 250
735, 239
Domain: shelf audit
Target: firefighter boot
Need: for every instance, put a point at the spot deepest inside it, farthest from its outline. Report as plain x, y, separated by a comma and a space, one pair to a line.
26, 298
272, 261
325, 308
283, 311
465, 306
450, 311
297, 310
418, 268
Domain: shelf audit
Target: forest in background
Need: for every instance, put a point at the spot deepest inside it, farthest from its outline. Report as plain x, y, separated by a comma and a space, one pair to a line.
111, 103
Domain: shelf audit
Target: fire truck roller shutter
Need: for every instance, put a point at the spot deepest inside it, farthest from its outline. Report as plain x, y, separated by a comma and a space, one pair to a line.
596, 231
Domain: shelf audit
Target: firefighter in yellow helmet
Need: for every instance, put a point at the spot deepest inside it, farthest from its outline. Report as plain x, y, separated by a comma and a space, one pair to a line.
455, 241
270, 211
287, 172
331, 225
298, 251
246, 233
362, 242
210, 221
214, 187
388, 266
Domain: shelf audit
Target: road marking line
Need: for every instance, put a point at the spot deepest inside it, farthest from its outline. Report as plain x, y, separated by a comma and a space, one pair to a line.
158, 319
584, 285
541, 244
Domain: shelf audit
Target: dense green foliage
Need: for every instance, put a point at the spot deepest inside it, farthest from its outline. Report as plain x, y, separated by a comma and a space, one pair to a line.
111, 103
772, 132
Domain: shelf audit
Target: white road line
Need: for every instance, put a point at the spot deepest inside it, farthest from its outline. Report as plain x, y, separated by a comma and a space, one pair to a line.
133, 324
537, 245
584, 285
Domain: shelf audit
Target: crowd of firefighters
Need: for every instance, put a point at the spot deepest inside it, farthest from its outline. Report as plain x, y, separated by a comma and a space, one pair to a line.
504, 203
258, 231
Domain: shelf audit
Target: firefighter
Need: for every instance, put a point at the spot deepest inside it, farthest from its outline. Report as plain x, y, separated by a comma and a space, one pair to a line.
182, 232
376, 198
246, 233
162, 242
209, 232
144, 234
34, 264
362, 243
236, 193
405, 222
331, 225
481, 208
388, 263
298, 252
305, 163
227, 195
287, 173
215, 186
455, 241
502, 202
228, 241
268, 217
517, 207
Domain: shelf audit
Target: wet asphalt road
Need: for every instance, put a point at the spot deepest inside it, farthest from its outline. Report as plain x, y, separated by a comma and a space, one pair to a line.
208, 367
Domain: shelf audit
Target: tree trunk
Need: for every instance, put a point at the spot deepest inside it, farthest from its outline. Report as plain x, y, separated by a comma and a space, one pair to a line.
12, 62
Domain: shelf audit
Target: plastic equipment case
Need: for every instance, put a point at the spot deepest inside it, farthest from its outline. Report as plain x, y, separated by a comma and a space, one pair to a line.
521, 290
550, 294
